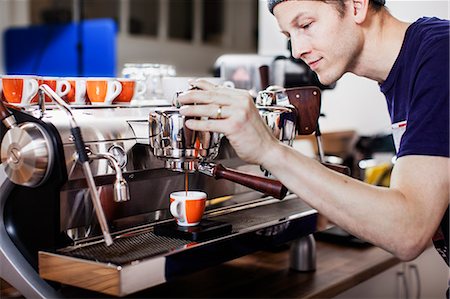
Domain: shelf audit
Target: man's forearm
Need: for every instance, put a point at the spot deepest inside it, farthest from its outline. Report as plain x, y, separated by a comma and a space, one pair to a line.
351, 204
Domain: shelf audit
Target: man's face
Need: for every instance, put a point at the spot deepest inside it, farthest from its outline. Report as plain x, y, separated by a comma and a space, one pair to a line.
328, 42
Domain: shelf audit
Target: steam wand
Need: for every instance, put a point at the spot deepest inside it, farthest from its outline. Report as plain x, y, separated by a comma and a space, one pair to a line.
84, 160
121, 190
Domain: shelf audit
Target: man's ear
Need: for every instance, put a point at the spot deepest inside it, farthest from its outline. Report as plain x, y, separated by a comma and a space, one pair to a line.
359, 10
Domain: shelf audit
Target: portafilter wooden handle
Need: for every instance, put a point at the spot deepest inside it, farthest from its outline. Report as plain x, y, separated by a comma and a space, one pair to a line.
265, 185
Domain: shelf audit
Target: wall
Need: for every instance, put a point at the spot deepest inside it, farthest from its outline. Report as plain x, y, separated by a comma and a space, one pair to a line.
190, 58
12, 13
356, 103
195, 58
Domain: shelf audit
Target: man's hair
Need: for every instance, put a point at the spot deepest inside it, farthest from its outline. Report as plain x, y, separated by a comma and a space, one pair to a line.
340, 5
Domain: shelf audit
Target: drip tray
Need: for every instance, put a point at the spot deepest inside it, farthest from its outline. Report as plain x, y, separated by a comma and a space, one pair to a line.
126, 249
158, 253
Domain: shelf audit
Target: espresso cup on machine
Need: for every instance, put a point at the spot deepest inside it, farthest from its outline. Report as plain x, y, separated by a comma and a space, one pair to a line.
59, 85
77, 92
103, 91
132, 90
188, 207
19, 89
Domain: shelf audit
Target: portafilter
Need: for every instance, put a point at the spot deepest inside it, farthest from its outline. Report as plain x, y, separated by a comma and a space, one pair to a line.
180, 147
186, 150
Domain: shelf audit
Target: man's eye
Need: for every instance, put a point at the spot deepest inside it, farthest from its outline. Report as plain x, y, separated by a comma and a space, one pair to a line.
306, 26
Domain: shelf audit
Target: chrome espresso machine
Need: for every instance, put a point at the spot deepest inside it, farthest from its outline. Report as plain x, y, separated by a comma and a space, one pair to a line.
86, 202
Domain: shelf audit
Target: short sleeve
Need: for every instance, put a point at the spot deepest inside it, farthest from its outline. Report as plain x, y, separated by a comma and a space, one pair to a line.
427, 131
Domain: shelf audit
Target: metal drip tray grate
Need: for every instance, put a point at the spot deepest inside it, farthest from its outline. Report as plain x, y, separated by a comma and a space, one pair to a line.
128, 249
264, 214
140, 246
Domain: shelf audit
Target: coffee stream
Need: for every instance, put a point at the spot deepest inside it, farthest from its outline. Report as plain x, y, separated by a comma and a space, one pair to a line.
186, 182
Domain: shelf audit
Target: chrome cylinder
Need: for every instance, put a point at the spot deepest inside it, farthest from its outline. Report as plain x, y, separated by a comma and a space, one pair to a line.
180, 147
27, 154
303, 254
183, 149
282, 122
121, 189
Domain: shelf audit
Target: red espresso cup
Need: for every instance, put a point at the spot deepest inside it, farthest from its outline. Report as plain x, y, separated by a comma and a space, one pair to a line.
131, 89
103, 91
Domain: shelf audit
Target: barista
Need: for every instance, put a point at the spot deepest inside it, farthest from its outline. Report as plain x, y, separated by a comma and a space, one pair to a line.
411, 64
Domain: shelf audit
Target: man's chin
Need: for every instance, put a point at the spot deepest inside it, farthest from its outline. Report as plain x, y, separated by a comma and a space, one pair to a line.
327, 79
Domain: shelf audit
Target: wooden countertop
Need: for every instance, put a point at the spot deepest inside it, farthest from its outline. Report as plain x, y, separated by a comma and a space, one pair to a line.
267, 275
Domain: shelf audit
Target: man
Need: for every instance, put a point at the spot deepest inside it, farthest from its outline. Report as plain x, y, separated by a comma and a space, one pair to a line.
411, 64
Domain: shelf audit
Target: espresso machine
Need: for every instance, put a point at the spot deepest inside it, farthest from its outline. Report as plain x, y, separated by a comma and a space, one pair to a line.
88, 187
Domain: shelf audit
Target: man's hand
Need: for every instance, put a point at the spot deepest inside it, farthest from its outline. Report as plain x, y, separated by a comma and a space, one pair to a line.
231, 112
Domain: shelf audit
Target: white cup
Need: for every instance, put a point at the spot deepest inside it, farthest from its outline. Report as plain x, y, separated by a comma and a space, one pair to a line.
77, 91
188, 207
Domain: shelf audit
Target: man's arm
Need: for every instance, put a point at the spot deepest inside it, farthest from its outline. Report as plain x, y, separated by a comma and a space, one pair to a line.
401, 219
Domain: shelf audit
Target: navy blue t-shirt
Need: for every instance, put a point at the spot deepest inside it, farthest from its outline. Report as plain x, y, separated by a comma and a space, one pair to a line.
417, 94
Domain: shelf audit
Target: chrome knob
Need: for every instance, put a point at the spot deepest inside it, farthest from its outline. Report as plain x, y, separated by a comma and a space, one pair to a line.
26, 154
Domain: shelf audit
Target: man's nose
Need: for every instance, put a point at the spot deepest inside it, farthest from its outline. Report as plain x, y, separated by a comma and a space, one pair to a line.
300, 47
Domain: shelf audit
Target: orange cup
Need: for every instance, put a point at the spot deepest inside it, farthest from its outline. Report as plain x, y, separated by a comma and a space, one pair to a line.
19, 89
103, 91
130, 89
58, 85
188, 207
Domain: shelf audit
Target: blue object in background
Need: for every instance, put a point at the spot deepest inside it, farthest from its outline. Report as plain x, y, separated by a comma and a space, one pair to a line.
53, 50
